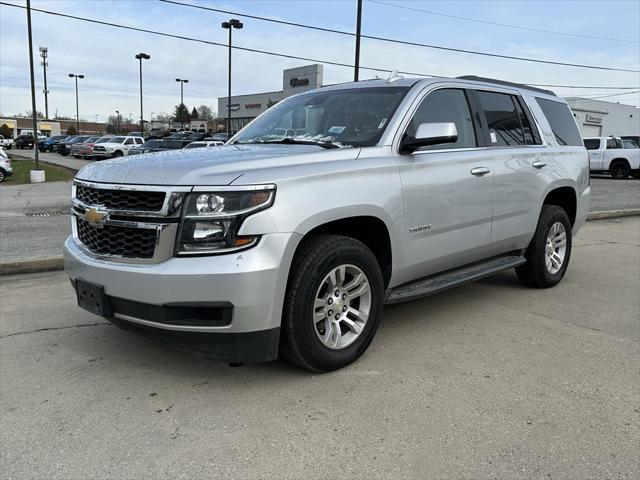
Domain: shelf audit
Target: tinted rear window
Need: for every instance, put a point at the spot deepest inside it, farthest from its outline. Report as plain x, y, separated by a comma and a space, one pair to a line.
592, 144
561, 121
503, 119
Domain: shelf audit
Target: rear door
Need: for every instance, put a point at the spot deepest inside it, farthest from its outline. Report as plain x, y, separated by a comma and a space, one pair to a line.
595, 149
518, 158
448, 189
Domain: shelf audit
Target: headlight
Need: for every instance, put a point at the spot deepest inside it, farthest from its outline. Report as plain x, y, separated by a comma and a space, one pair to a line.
212, 220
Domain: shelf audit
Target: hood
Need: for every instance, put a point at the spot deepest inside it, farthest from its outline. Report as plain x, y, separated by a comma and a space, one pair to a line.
207, 166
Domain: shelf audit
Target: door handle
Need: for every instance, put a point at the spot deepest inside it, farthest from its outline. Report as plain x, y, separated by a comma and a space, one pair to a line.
480, 171
539, 164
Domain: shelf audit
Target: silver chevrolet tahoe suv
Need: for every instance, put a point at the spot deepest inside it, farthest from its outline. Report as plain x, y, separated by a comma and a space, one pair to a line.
291, 238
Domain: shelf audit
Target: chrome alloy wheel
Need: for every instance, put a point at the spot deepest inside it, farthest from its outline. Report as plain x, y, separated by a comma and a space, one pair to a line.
342, 306
556, 248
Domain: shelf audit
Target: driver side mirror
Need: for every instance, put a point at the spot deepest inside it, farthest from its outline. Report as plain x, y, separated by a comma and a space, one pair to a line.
428, 134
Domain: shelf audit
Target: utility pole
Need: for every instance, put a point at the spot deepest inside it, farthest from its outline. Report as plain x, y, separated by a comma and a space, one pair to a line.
141, 56
358, 28
44, 53
230, 25
34, 113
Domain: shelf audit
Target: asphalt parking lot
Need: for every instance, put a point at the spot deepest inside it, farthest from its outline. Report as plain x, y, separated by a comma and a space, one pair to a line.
489, 380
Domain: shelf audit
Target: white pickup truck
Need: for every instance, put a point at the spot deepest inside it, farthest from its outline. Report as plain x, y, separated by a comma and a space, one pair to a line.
613, 155
6, 143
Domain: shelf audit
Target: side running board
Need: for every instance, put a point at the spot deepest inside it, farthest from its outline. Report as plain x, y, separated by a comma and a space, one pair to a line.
437, 283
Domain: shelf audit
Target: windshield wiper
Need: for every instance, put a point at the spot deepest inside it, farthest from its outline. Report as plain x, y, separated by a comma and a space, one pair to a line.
293, 141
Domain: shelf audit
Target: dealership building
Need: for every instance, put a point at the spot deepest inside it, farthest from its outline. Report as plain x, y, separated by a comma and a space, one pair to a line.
602, 119
245, 108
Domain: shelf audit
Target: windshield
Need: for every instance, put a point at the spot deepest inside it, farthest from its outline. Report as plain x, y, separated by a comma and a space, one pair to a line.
349, 117
116, 140
150, 144
103, 140
196, 145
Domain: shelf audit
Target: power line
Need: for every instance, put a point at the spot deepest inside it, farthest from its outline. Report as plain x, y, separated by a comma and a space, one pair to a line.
611, 95
275, 54
405, 42
208, 42
519, 27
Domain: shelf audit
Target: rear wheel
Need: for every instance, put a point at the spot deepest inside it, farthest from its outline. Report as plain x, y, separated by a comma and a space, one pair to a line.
333, 303
549, 251
620, 170
2, 175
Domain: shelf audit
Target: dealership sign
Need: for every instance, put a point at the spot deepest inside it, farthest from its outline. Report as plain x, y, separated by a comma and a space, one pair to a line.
298, 82
593, 118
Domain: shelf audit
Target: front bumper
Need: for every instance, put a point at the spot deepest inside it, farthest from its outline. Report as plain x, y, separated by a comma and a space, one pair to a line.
251, 282
101, 154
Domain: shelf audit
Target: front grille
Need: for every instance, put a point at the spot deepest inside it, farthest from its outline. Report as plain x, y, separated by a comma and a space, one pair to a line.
121, 199
115, 240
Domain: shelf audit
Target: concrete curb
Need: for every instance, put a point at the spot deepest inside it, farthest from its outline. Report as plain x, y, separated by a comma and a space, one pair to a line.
47, 264
629, 212
31, 265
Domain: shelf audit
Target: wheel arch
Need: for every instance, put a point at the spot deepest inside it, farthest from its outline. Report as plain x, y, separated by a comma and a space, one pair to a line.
367, 228
619, 160
565, 197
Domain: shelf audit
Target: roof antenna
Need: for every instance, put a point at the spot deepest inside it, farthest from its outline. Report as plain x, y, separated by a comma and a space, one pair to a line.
394, 76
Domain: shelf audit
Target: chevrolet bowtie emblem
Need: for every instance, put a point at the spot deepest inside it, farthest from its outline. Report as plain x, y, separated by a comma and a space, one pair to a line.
96, 217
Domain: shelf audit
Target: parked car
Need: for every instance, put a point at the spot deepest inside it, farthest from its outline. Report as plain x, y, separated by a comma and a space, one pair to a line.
158, 146
64, 147
84, 149
116, 146
291, 246
221, 136
207, 143
5, 165
24, 141
6, 143
196, 136
48, 144
610, 155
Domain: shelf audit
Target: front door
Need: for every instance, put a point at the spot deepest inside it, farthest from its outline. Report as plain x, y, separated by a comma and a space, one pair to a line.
448, 190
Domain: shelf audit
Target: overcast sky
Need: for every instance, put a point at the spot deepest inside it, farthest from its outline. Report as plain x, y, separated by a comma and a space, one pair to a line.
105, 55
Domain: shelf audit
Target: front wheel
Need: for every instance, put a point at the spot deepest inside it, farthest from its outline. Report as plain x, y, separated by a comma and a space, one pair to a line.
117, 153
333, 303
549, 251
2, 175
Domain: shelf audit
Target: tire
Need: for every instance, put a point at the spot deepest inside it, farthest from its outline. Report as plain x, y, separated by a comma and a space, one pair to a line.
537, 272
303, 327
620, 169
117, 153
2, 175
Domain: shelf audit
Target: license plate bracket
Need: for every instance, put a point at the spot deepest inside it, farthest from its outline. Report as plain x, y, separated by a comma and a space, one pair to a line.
92, 298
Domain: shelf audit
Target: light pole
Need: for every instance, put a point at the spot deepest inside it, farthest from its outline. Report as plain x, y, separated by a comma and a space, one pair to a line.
141, 56
44, 53
73, 75
118, 121
182, 82
358, 28
230, 25
34, 113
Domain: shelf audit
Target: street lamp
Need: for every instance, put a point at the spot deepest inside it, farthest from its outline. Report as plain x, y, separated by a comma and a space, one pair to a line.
118, 121
230, 25
73, 75
182, 82
141, 56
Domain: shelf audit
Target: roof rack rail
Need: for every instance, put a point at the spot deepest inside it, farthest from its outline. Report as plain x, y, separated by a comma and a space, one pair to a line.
509, 84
